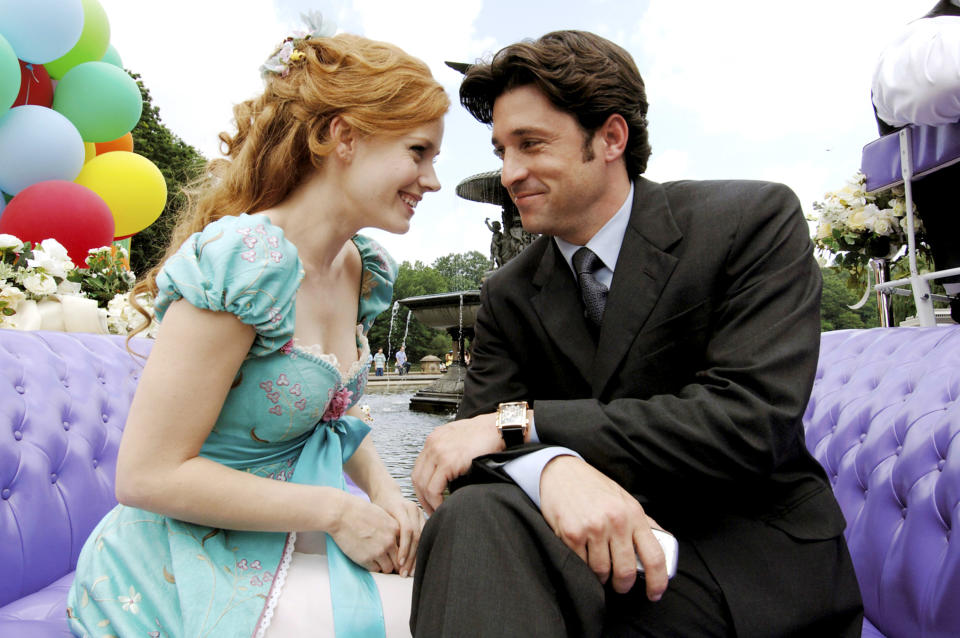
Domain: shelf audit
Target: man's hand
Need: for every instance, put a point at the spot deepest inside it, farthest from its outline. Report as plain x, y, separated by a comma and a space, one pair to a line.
447, 454
603, 524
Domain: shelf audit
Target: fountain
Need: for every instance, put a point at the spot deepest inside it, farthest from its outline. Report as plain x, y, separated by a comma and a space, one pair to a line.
456, 312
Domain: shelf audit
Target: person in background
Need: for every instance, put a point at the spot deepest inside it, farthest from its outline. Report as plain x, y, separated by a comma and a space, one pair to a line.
642, 366
917, 81
234, 518
401, 358
379, 362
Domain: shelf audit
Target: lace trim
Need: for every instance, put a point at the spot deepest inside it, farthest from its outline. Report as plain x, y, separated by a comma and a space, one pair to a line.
363, 353
266, 616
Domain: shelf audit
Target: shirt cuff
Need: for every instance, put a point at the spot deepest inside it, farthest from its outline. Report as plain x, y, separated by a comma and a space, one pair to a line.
526, 470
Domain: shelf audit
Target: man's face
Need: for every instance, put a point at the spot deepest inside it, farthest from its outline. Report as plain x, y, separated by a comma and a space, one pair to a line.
545, 165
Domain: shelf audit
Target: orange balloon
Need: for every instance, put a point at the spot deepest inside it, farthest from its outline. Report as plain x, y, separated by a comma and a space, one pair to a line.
122, 143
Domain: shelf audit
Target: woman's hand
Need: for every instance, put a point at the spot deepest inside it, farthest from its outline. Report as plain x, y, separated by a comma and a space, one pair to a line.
410, 519
368, 535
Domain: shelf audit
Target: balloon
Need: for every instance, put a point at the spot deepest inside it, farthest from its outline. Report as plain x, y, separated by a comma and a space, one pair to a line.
92, 44
122, 143
102, 101
37, 144
9, 74
89, 151
41, 30
132, 186
70, 213
112, 57
35, 85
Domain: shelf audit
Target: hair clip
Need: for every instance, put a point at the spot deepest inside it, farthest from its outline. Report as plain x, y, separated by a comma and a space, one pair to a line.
287, 54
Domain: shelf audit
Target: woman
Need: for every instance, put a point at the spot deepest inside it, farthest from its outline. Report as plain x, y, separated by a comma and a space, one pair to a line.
245, 416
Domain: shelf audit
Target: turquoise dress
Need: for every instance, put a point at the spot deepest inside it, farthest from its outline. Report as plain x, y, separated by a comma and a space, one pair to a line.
143, 574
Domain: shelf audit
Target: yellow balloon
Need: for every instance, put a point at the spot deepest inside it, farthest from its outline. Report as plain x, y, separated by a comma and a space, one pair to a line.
131, 185
89, 151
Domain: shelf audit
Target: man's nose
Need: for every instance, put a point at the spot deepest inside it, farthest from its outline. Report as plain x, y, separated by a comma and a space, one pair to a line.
513, 171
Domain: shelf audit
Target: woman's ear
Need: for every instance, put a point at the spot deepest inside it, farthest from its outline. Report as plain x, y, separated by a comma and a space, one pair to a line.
345, 137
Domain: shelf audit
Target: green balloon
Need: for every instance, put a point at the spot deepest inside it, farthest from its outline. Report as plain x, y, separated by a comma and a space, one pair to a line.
9, 75
93, 42
112, 57
101, 100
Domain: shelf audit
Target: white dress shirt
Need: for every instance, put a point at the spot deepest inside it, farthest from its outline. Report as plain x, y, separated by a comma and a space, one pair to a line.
526, 470
917, 79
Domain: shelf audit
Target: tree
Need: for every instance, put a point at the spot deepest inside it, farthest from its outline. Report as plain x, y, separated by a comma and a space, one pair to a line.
413, 280
837, 296
180, 164
463, 271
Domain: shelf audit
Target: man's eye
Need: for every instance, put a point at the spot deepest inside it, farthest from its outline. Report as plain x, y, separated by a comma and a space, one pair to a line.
498, 152
418, 151
528, 144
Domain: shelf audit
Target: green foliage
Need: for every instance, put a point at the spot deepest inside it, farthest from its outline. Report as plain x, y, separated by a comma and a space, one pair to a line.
837, 296
450, 273
180, 164
463, 271
105, 276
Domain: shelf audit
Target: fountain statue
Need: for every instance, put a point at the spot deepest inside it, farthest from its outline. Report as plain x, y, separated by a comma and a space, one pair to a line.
456, 312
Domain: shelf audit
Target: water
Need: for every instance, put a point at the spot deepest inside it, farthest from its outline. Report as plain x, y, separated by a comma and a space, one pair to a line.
399, 433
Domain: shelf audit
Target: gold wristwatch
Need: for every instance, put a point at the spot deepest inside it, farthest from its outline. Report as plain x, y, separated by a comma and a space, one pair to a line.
512, 422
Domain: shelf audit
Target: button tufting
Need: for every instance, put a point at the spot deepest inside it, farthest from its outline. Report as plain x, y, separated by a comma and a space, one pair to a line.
903, 513
53, 477
66, 383
899, 449
5, 493
66, 425
104, 417
18, 435
941, 463
95, 463
102, 380
19, 389
863, 437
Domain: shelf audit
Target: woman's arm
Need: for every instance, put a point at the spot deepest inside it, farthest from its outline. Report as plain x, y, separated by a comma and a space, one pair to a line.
181, 392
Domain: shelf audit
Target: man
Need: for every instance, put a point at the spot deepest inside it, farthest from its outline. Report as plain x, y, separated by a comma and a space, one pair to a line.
666, 391
917, 81
379, 361
401, 358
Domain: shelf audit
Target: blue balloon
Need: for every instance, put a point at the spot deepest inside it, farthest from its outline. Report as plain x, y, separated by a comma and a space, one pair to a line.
41, 31
37, 144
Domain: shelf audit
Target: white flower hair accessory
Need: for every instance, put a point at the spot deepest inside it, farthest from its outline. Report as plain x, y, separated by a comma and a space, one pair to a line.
280, 62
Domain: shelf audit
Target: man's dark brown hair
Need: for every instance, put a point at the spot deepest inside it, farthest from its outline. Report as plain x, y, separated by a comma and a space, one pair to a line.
580, 73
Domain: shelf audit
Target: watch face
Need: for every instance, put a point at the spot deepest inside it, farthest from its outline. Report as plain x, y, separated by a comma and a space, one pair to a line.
512, 413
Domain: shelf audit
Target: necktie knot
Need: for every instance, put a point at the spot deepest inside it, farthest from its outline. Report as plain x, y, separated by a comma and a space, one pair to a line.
593, 293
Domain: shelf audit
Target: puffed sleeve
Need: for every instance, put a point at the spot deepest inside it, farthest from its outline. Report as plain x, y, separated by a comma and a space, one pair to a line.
379, 273
239, 264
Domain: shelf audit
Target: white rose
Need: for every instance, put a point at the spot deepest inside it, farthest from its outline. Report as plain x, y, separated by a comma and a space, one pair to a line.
824, 230
39, 284
52, 257
882, 226
9, 241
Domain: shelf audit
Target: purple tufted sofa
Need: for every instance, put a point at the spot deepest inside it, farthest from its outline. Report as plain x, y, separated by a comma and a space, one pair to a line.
884, 420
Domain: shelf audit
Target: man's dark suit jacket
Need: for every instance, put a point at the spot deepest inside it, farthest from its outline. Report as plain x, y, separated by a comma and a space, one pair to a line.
693, 396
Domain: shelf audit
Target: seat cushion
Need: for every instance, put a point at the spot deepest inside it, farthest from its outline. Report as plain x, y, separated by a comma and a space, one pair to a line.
42, 614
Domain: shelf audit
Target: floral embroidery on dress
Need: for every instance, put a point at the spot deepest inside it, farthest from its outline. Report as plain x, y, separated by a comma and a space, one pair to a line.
338, 404
249, 241
367, 284
250, 255
287, 348
274, 314
130, 603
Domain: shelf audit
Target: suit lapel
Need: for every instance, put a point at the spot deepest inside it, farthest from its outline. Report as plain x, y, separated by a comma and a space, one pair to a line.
642, 271
558, 306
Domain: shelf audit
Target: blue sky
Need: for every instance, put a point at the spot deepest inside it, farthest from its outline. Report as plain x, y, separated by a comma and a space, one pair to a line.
753, 89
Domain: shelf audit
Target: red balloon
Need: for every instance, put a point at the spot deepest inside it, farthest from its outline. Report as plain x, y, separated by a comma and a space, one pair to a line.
35, 86
72, 214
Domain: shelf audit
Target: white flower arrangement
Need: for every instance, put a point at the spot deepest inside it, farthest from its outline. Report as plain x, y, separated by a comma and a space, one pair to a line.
854, 227
41, 288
